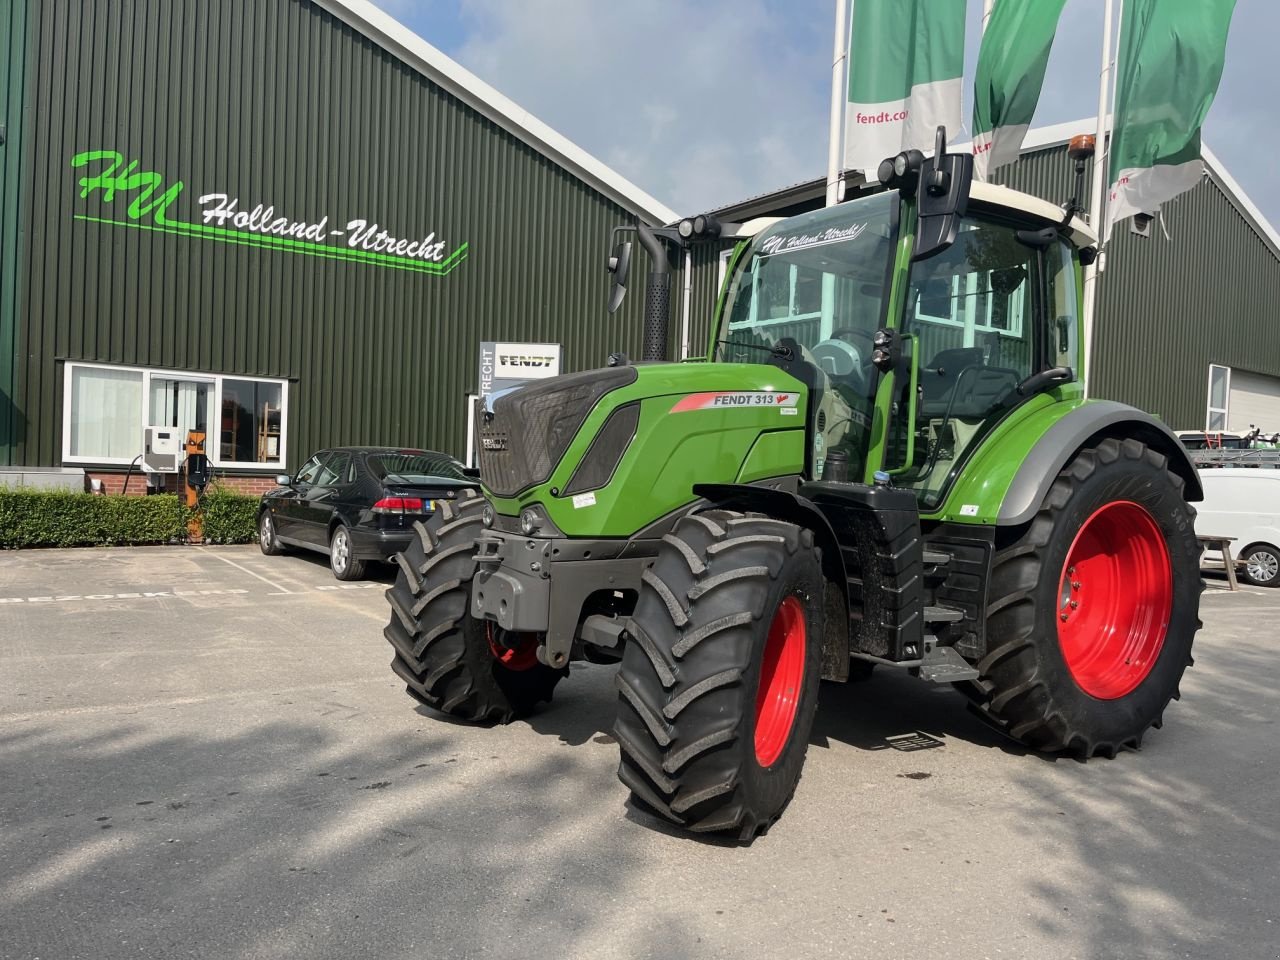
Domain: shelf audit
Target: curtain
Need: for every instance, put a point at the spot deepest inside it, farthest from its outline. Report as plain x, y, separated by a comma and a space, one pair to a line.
106, 413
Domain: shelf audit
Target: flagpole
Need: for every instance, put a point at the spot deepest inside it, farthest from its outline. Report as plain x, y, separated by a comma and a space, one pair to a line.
835, 146
987, 6
1096, 193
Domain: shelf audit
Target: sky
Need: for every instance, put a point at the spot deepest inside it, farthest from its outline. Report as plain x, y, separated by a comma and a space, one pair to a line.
704, 103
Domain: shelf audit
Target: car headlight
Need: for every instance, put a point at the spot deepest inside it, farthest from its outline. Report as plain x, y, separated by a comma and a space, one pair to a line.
487, 515
530, 521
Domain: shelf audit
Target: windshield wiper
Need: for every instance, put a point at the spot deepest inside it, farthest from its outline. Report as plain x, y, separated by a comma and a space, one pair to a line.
782, 353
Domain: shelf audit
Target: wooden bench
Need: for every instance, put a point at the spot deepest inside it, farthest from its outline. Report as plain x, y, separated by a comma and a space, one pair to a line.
1223, 546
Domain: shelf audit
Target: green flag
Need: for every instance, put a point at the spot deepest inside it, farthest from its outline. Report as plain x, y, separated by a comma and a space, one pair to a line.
1010, 73
906, 60
1171, 57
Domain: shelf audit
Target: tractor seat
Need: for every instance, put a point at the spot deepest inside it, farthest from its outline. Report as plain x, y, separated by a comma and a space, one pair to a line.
976, 392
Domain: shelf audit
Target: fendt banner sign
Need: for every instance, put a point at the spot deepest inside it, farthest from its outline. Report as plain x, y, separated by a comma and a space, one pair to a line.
504, 366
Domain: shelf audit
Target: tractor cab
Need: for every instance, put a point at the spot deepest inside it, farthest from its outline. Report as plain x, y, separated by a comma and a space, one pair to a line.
963, 331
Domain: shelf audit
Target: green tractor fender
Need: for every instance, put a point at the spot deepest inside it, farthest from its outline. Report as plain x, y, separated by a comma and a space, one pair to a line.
1084, 426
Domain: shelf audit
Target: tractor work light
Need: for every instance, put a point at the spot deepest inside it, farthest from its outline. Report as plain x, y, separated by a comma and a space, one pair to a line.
699, 228
901, 170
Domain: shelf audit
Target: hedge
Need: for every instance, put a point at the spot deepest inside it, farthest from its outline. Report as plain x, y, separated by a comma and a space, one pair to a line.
229, 517
56, 518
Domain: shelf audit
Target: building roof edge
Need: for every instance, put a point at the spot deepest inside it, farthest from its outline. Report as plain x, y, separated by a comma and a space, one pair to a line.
398, 40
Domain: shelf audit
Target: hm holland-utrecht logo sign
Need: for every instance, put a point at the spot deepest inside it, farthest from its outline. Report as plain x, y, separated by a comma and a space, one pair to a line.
223, 219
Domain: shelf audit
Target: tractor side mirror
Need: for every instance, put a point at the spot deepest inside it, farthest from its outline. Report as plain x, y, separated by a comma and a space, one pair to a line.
619, 267
943, 198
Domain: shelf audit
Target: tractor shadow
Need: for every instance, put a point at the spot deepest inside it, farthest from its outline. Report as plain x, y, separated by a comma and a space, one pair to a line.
891, 707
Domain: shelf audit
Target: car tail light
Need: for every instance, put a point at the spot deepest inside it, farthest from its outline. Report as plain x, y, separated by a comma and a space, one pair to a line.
402, 505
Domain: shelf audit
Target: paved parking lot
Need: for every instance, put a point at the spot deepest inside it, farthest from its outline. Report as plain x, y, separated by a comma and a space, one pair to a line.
204, 754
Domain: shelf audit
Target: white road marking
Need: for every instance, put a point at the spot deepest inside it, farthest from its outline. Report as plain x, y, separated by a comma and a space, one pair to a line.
271, 583
158, 594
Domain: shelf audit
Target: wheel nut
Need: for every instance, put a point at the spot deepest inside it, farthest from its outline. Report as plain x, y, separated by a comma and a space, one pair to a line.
1064, 618
1075, 585
1074, 604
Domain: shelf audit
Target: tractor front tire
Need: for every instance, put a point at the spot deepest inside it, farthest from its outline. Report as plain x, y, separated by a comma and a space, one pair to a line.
448, 659
1093, 609
719, 679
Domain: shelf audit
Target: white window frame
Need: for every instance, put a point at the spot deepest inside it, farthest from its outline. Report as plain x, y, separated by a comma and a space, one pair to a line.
969, 322
213, 434
1209, 408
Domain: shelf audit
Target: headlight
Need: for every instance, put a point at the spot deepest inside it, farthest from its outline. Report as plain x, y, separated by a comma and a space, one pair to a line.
487, 515
530, 522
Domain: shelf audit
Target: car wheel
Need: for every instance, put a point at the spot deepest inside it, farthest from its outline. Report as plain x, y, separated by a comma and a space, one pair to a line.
342, 559
267, 539
1261, 565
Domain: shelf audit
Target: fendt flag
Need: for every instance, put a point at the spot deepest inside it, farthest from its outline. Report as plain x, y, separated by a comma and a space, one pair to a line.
1010, 73
1171, 57
906, 60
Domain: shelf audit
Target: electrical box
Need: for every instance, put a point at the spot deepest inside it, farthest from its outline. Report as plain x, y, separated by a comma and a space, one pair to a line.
161, 450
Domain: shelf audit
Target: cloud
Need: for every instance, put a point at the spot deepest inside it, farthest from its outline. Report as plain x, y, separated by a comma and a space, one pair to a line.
706, 103
697, 104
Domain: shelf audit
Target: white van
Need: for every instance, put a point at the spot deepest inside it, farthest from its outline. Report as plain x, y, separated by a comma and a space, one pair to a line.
1244, 502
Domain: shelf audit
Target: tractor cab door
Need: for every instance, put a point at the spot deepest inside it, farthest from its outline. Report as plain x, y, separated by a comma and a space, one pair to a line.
980, 318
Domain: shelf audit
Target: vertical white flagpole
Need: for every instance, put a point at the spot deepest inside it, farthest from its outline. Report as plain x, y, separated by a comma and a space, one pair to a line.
1096, 194
987, 6
835, 147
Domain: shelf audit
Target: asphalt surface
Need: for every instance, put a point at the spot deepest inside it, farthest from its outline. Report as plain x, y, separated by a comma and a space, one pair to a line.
203, 753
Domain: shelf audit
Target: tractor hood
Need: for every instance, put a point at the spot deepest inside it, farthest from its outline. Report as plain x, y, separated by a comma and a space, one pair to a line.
635, 439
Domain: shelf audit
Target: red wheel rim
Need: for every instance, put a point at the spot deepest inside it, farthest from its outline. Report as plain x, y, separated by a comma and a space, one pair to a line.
781, 681
1114, 600
522, 655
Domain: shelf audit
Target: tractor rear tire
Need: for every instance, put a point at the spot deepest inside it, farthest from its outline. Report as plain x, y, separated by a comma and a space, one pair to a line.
719, 677
1093, 609
448, 659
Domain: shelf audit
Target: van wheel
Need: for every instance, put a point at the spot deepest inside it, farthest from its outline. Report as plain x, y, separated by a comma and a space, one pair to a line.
1261, 565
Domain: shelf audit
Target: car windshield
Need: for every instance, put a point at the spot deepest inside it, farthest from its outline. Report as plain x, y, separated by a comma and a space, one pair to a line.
414, 466
815, 283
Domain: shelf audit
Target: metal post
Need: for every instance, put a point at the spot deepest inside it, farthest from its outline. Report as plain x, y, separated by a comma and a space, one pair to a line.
987, 6
1099, 184
835, 145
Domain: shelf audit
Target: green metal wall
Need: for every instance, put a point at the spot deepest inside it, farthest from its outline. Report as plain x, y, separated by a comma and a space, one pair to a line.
278, 102
13, 39
1170, 306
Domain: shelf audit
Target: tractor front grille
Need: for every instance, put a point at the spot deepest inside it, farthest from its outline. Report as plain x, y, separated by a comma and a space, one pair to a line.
524, 433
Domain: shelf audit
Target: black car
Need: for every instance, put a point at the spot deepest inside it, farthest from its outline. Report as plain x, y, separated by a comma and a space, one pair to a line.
357, 503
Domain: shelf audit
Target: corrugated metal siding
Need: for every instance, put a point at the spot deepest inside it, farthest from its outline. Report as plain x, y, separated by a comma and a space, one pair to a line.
1170, 306
13, 40
278, 102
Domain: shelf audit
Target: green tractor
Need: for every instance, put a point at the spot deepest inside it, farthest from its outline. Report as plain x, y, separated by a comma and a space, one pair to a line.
887, 458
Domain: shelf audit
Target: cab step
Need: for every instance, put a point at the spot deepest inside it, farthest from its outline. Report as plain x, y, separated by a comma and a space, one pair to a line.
944, 665
936, 558
941, 614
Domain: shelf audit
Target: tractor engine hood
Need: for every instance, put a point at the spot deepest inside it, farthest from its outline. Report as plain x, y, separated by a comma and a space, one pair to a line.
571, 435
